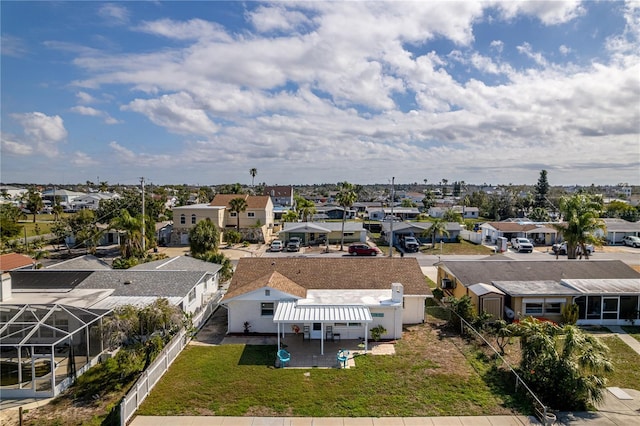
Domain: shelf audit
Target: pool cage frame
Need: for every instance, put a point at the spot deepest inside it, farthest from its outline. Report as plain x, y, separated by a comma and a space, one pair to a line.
44, 348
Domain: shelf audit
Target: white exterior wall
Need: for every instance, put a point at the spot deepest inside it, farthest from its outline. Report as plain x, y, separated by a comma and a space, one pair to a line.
5, 289
413, 312
392, 321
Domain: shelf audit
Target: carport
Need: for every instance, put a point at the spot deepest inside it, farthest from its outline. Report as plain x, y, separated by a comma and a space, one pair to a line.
308, 232
295, 315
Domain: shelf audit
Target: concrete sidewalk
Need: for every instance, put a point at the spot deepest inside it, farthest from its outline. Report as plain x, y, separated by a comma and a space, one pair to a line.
337, 421
630, 341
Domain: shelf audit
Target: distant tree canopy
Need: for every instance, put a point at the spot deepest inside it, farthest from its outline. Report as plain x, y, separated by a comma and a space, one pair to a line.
541, 190
131, 201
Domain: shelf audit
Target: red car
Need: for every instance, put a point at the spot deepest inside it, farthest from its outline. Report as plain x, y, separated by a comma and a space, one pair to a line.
363, 250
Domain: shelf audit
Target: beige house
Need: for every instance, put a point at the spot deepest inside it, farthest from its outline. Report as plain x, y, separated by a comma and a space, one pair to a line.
256, 222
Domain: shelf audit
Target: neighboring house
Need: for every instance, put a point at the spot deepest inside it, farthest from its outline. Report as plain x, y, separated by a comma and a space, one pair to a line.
256, 222
334, 212
617, 229
12, 262
66, 197
539, 233
92, 201
403, 213
417, 230
281, 196
515, 289
287, 295
318, 232
11, 193
85, 283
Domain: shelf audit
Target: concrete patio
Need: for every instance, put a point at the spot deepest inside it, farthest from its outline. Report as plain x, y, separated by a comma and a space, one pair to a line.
307, 353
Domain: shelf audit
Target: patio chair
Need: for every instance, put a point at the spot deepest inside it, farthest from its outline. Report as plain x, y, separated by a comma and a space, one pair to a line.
343, 356
284, 357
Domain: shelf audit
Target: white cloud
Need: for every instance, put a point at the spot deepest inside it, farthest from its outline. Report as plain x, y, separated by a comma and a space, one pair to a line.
177, 113
537, 57
13, 147
276, 18
13, 46
549, 12
564, 50
92, 112
497, 45
85, 98
194, 29
82, 159
42, 132
114, 14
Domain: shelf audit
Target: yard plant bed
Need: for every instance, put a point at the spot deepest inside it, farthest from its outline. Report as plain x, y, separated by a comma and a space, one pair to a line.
428, 376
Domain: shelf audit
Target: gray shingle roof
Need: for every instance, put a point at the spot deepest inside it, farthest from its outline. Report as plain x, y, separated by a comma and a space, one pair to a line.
143, 283
83, 263
178, 263
470, 272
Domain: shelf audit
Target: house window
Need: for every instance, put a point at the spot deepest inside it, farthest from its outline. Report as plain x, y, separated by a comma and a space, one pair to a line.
266, 309
193, 219
594, 307
340, 324
552, 308
183, 219
251, 214
192, 295
377, 314
533, 308
233, 214
267, 292
355, 324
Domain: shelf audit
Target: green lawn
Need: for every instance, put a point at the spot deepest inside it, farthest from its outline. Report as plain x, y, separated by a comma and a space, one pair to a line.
625, 361
239, 380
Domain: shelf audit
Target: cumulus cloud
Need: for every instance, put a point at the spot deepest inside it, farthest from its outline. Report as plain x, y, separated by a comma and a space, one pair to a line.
277, 18
548, 12
177, 113
10, 146
85, 98
42, 132
92, 112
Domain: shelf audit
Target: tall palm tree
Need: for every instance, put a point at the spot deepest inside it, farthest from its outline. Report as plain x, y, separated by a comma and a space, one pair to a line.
438, 226
131, 246
346, 197
581, 216
253, 172
238, 205
306, 208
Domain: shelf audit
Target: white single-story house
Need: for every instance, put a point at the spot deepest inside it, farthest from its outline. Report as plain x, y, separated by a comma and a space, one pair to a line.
326, 297
319, 232
617, 229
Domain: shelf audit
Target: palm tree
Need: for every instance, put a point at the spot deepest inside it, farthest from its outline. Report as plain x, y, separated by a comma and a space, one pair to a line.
204, 237
346, 197
34, 202
131, 246
238, 205
253, 172
581, 216
306, 208
564, 366
438, 226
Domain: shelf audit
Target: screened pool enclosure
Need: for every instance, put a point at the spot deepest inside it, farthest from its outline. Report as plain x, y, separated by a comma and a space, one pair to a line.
43, 348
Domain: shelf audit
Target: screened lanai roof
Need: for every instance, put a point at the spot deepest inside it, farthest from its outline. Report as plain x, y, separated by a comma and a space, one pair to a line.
292, 312
43, 325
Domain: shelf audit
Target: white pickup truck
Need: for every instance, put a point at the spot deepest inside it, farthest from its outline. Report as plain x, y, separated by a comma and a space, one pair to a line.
521, 245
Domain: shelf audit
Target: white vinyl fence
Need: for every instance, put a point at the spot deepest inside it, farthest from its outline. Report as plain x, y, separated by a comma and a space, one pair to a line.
160, 365
474, 237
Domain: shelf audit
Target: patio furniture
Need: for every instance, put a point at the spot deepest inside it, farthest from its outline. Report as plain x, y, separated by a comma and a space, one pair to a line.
343, 356
284, 357
306, 332
329, 333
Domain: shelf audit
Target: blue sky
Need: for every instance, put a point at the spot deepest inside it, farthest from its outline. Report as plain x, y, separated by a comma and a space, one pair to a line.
318, 92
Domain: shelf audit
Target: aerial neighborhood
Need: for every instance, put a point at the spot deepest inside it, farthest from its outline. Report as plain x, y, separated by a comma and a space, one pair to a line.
309, 271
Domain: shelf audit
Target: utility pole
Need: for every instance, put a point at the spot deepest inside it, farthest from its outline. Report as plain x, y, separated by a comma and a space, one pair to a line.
393, 197
144, 249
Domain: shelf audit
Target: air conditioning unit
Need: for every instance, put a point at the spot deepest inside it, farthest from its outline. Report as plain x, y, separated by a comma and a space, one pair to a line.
446, 283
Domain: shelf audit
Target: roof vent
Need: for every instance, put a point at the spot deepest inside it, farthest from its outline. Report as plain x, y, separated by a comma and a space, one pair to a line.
127, 282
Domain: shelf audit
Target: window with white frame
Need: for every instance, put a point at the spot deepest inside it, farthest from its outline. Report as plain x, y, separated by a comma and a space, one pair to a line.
193, 219
541, 307
266, 309
233, 214
251, 214
183, 219
192, 295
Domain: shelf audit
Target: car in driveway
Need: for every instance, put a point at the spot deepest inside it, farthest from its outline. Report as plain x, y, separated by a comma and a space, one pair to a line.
631, 241
294, 244
363, 250
276, 245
